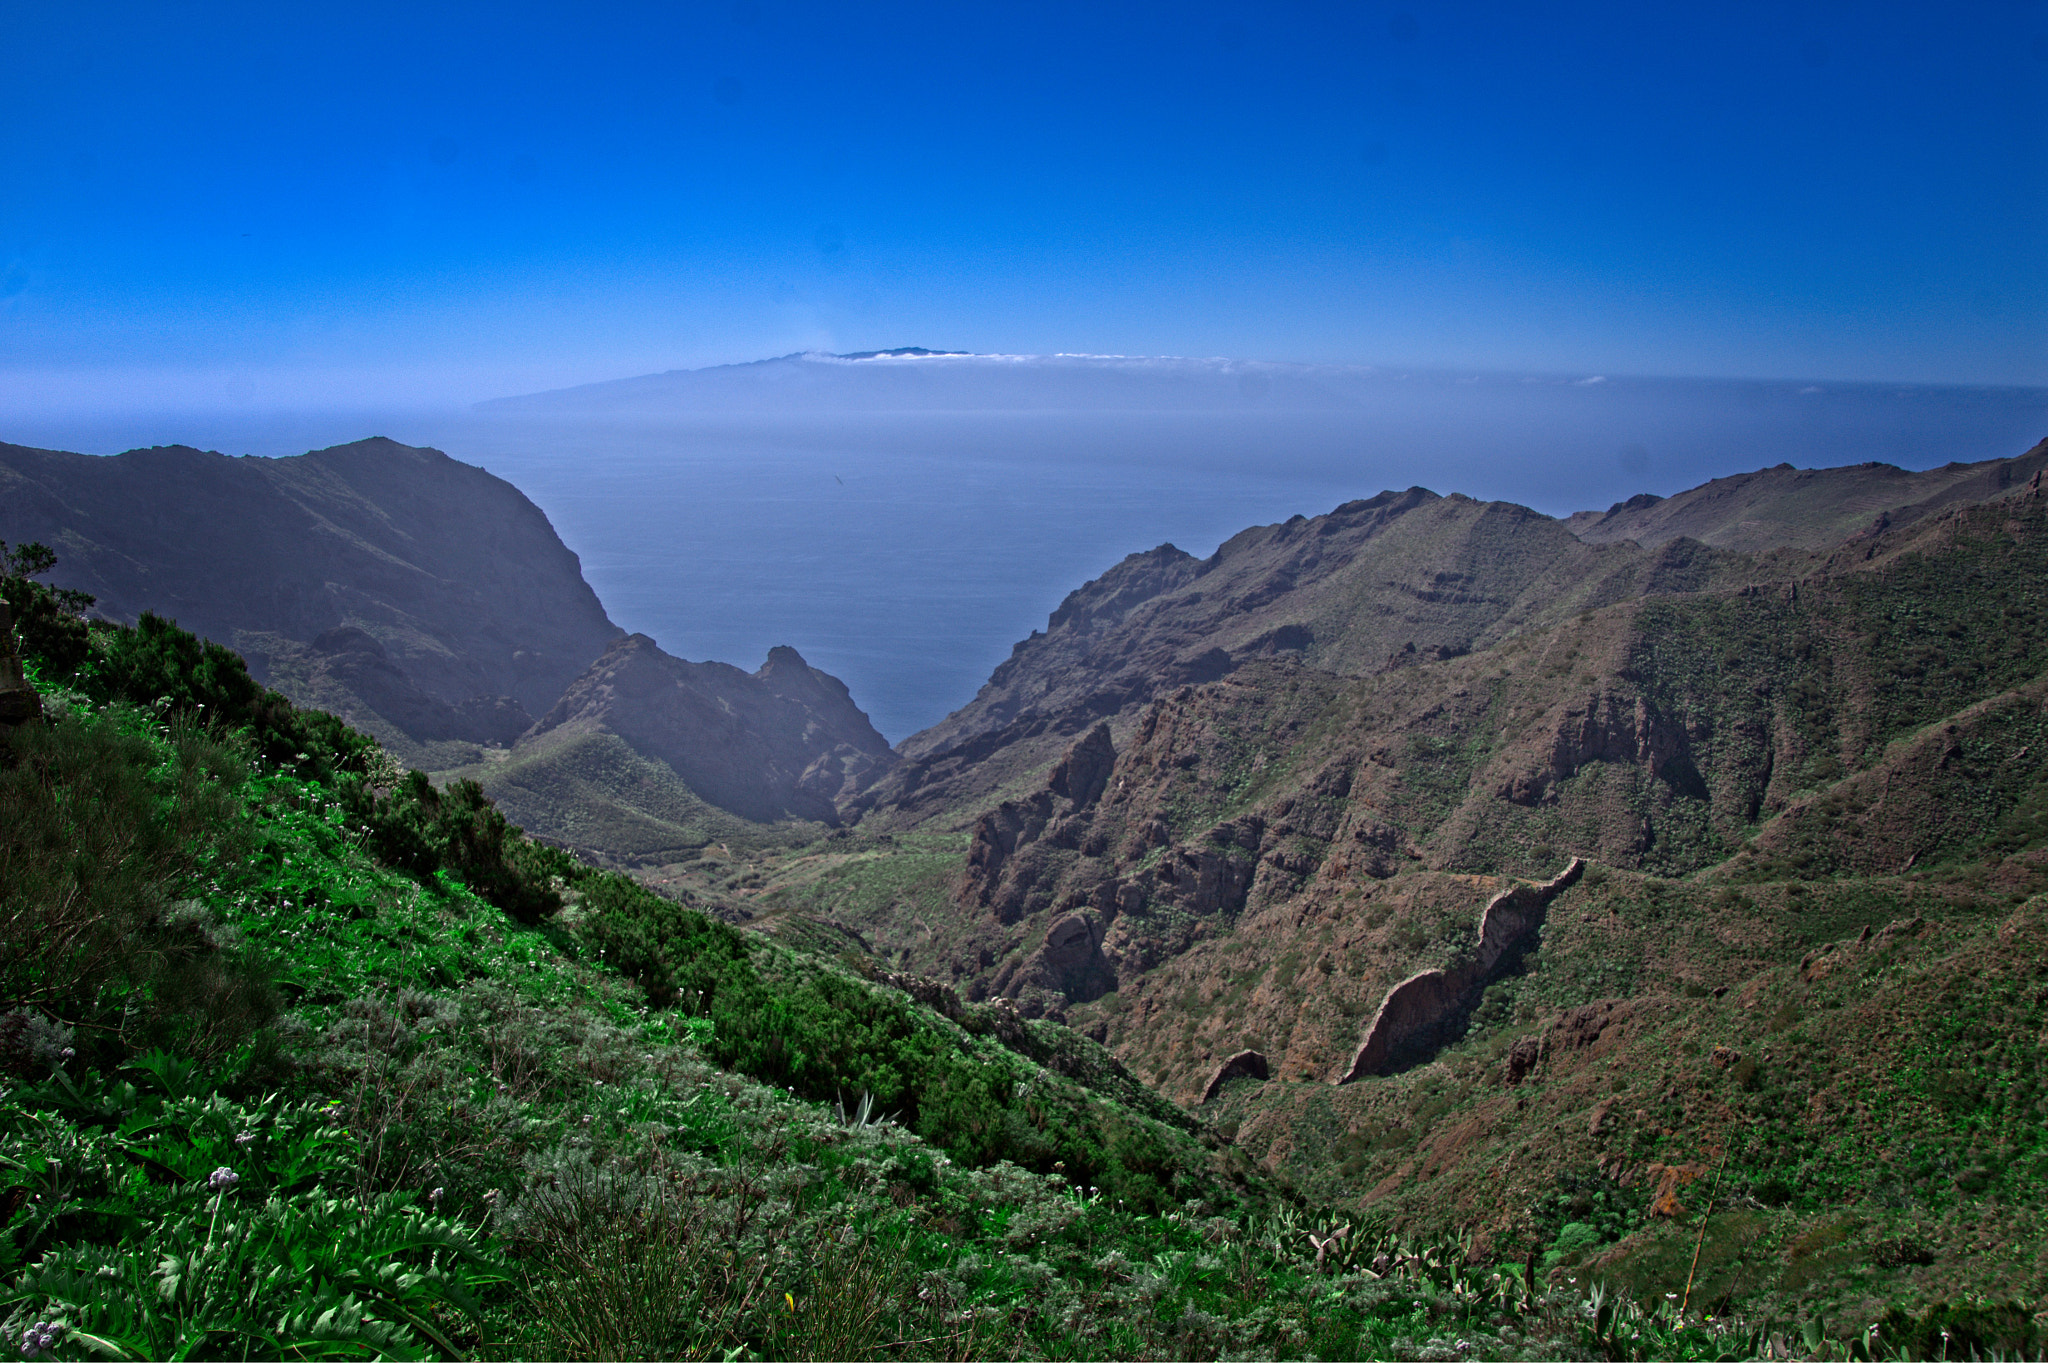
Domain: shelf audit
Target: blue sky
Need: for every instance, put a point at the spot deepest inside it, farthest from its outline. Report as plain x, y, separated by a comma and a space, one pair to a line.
354, 203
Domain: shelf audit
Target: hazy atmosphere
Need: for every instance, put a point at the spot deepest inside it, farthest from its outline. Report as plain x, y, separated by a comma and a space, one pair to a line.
249, 206
1441, 229
775, 679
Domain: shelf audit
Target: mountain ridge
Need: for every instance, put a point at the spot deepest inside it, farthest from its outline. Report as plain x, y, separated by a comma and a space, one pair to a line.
1803, 508
432, 605
455, 584
782, 742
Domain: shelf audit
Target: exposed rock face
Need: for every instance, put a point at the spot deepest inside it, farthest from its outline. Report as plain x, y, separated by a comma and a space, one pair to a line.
786, 742
1243, 1065
1419, 1008
1405, 576
19, 702
1583, 1028
996, 877
462, 609
1523, 1058
1084, 771
1068, 962
1609, 728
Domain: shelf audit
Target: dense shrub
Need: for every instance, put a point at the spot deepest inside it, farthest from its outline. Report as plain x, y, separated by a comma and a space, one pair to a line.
46, 619
1963, 1330
158, 664
417, 828
831, 1037
102, 834
679, 956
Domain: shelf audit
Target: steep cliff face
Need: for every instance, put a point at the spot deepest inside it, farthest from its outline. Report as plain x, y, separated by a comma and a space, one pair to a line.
459, 609
1259, 862
1402, 578
786, 742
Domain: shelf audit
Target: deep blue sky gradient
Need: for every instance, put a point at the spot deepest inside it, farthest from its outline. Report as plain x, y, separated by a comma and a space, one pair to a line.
363, 204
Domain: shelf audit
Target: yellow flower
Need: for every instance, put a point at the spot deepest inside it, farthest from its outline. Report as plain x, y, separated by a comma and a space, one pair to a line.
792, 1302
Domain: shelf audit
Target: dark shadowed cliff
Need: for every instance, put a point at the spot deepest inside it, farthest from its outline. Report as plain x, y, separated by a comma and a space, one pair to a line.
418, 596
786, 742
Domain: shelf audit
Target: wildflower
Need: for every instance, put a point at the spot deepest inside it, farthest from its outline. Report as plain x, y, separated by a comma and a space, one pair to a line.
222, 1179
245, 1138
434, 1198
37, 1339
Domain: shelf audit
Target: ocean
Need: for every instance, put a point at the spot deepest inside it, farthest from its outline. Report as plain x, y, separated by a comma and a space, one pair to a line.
905, 552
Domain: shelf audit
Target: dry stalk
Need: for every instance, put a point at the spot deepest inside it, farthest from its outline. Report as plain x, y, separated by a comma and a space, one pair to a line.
1701, 1242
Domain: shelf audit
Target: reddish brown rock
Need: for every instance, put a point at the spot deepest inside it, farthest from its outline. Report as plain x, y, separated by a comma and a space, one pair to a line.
1245, 1064
1424, 1001
1523, 1058
1581, 1028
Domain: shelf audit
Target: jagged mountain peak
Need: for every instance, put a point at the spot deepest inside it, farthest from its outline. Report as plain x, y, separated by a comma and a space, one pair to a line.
785, 742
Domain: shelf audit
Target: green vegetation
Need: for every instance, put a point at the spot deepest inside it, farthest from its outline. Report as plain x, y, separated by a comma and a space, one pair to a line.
306, 1059
305, 1056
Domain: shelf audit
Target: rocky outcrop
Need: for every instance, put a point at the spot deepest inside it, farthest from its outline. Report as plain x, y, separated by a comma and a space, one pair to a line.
1068, 962
1243, 1065
1585, 1027
1609, 727
785, 742
1523, 1058
1084, 771
19, 702
996, 876
1419, 1011
454, 575
1408, 576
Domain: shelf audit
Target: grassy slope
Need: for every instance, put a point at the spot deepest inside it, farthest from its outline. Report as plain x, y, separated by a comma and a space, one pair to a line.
465, 1135
1867, 753
591, 790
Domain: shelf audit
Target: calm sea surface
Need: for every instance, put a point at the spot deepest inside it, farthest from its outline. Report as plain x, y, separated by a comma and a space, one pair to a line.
906, 553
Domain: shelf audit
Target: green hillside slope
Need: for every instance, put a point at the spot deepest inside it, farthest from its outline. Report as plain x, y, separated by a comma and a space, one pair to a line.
304, 1059
1805, 960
